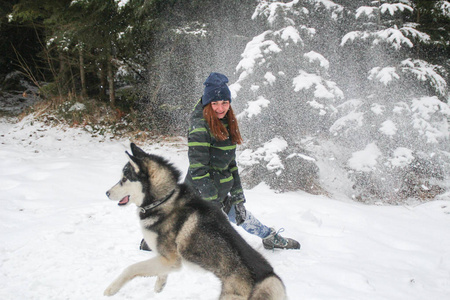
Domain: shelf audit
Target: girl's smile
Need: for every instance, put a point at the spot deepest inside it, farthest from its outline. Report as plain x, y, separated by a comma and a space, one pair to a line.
220, 108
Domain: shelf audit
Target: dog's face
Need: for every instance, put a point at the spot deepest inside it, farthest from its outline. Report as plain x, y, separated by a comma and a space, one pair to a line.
128, 189
145, 178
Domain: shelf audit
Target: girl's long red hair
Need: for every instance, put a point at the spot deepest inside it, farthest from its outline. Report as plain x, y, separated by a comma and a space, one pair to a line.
218, 129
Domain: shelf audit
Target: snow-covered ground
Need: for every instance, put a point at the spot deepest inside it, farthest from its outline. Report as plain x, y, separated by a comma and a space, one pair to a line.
61, 238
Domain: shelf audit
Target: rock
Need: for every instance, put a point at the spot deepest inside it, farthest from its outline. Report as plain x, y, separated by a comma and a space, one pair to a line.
14, 81
17, 93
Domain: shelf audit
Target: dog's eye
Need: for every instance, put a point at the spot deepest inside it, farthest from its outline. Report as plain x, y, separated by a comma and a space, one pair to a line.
124, 179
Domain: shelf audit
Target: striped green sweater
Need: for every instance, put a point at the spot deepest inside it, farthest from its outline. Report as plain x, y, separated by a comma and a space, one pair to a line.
212, 164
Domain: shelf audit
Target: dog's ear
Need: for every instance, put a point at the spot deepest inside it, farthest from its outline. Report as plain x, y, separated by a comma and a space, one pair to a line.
138, 152
135, 162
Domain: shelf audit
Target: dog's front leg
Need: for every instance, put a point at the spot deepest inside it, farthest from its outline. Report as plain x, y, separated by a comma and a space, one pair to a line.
160, 283
157, 266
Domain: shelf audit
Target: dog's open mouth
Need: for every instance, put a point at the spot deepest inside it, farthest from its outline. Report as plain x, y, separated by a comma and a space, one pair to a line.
124, 200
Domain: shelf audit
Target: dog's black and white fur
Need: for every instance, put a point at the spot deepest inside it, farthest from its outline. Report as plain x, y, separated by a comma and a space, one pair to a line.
179, 226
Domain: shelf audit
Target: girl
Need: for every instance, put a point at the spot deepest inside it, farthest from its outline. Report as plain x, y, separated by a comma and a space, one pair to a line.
213, 173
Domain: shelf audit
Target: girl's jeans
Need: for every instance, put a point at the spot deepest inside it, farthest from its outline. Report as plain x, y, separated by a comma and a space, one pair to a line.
251, 224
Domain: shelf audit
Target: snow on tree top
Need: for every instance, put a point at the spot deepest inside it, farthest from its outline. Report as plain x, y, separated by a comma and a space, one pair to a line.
254, 52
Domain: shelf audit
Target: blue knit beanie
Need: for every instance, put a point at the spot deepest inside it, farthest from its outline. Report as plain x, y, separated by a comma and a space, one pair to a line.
216, 89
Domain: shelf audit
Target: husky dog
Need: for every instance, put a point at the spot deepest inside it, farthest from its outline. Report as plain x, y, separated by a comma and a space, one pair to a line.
181, 227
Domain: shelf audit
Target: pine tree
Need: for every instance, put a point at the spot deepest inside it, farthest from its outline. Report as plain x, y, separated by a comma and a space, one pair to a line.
400, 116
87, 38
285, 85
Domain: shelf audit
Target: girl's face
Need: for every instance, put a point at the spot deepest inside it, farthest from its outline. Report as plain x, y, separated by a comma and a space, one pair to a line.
220, 108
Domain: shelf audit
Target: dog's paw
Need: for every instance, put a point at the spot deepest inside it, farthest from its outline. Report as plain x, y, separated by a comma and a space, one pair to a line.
160, 283
111, 290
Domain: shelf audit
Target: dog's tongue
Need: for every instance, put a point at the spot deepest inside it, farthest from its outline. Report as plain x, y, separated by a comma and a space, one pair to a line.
124, 200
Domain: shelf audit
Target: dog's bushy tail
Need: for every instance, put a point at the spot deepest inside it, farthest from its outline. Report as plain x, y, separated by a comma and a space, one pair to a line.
271, 288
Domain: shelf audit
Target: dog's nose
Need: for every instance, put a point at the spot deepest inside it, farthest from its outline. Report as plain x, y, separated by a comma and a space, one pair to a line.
108, 193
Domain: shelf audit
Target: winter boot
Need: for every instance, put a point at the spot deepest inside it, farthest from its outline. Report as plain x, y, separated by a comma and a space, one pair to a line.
143, 246
275, 240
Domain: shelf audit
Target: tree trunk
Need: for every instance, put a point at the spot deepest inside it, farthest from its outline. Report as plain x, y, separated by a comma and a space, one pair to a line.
112, 94
82, 74
61, 82
379, 15
103, 81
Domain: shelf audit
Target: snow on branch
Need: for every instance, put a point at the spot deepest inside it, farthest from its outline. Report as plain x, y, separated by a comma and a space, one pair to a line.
268, 153
193, 28
336, 9
388, 128
348, 122
383, 75
323, 89
330, 5
369, 11
394, 37
392, 8
261, 47
353, 35
122, 3
254, 53
443, 7
430, 118
254, 108
425, 71
74, 2
352, 118
276, 11
372, 11
409, 30
273, 11
366, 159
401, 157
313, 56
289, 34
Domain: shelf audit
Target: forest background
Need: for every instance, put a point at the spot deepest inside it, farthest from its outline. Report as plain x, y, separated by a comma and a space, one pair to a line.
356, 87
